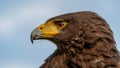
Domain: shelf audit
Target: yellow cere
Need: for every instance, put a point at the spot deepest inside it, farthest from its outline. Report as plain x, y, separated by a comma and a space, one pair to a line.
50, 28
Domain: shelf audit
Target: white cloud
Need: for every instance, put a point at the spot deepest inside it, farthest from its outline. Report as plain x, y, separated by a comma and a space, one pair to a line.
18, 17
28, 12
6, 26
34, 11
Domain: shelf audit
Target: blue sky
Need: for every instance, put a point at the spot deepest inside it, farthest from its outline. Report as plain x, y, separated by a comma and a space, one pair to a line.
19, 17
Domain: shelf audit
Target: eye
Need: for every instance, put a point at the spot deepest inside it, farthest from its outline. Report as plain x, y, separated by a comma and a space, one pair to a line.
59, 23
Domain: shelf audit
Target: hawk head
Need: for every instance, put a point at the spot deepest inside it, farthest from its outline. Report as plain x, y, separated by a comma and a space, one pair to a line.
84, 27
83, 40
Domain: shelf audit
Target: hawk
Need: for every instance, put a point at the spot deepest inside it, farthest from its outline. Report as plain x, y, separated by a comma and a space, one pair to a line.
83, 40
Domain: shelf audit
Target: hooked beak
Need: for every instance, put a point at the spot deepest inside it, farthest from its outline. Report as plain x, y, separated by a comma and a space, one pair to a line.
46, 31
35, 35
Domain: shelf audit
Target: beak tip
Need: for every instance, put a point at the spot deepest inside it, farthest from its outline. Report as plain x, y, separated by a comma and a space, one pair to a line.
32, 41
35, 35
31, 38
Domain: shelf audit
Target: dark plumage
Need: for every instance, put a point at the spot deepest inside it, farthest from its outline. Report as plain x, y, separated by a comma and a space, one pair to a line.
86, 41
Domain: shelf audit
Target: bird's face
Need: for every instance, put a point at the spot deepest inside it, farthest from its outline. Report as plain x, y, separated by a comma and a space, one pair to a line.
49, 30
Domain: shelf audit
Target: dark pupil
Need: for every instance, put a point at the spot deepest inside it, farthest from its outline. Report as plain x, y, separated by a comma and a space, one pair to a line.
59, 23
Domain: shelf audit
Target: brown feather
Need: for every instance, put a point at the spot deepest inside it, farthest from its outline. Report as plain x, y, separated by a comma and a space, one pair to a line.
86, 42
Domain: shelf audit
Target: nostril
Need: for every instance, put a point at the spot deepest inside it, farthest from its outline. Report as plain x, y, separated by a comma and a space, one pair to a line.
41, 28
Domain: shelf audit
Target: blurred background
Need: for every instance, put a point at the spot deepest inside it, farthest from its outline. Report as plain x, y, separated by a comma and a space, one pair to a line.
19, 17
